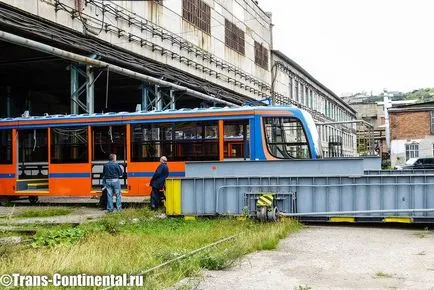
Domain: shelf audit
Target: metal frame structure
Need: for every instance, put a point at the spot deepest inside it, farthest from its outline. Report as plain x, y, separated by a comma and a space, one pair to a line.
94, 63
366, 140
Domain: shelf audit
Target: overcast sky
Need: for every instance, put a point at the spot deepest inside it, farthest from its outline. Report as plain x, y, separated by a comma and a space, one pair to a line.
358, 45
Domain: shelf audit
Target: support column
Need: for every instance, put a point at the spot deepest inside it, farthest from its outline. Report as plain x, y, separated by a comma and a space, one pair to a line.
74, 88
8, 102
158, 98
90, 92
145, 98
172, 100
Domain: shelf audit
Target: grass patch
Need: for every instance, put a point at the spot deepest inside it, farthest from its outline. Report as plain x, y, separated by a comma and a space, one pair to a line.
136, 240
45, 212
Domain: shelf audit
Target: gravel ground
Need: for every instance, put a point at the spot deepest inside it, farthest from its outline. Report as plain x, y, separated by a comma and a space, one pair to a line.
321, 257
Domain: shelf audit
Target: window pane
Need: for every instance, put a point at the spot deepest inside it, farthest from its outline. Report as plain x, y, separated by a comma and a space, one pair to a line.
69, 145
177, 141
286, 138
236, 139
234, 37
196, 141
432, 121
261, 55
151, 141
5, 146
411, 151
33, 145
197, 13
108, 140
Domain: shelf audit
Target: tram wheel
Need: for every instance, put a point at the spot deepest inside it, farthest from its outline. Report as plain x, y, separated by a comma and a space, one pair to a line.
4, 200
273, 214
33, 199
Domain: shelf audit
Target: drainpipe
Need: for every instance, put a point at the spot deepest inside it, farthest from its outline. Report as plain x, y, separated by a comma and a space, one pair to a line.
273, 67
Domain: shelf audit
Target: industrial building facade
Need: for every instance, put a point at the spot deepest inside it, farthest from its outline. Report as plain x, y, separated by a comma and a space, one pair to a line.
294, 85
196, 53
412, 130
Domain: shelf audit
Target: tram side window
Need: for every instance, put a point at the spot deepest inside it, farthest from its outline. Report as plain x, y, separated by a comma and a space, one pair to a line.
151, 141
69, 145
195, 141
236, 139
107, 140
178, 141
5, 146
33, 145
286, 138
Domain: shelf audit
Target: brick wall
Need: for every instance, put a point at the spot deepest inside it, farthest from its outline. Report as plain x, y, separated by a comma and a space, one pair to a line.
410, 124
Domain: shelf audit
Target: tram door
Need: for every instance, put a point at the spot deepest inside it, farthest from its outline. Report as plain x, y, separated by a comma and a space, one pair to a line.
32, 177
108, 140
7, 166
69, 167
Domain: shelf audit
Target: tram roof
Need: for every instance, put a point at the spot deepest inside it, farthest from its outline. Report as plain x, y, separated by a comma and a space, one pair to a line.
167, 113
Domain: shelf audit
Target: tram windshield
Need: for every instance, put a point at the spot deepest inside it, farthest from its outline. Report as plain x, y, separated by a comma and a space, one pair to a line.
286, 138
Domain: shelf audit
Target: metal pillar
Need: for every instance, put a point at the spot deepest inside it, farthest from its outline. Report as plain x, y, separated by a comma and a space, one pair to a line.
172, 100
8, 102
90, 89
158, 98
77, 90
145, 98
387, 104
74, 89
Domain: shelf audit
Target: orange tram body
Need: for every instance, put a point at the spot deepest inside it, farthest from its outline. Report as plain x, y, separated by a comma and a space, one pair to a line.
63, 155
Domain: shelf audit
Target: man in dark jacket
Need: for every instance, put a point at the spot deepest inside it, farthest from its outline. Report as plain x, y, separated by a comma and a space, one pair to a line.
157, 183
111, 173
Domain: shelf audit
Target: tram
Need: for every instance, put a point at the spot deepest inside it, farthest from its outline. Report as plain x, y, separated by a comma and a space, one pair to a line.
63, 155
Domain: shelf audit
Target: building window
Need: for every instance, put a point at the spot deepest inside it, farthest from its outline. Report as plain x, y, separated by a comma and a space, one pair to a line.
291, 88
411, 151
432, 122
234, 37
197, 13
296, 96
261, 55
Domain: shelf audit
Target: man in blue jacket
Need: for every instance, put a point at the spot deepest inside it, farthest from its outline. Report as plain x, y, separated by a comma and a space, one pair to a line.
111, 173
157, 183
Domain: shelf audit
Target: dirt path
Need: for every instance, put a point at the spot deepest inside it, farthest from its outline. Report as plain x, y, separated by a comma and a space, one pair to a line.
83, 209
335, 257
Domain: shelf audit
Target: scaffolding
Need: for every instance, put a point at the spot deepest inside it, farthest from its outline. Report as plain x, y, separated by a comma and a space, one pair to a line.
363, 132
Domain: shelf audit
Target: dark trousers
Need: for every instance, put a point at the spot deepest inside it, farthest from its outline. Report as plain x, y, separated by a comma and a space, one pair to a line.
157, 197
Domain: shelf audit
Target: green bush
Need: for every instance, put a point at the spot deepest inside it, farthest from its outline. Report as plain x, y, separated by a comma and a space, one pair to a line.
68, 236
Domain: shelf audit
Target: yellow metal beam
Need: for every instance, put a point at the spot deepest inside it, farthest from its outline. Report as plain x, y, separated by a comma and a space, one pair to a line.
342, 219
398, 219
173, 197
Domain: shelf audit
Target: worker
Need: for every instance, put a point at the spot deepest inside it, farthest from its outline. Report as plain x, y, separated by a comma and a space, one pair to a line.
111, 174
157, 183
